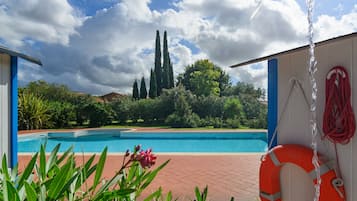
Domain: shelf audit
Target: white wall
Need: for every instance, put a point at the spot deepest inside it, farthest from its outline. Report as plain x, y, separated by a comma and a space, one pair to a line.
4, 104
295, 126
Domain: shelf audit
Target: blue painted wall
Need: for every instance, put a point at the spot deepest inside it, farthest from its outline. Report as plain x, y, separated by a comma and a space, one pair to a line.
272, 100
14, 115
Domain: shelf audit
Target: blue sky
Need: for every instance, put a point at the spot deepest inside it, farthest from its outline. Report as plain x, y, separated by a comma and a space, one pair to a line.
100, 46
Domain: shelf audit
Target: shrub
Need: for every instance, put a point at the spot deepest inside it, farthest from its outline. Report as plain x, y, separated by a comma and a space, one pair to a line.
58, 177
216, 122
61, 113
232, 123
32, 111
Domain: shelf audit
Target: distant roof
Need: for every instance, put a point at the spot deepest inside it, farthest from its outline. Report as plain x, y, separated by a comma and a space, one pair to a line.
18, 54
293, 50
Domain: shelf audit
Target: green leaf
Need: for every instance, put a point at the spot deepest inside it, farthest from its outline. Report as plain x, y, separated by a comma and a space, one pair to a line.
169, 196
42, 163
198, 194
204, 194
28, 170
11, 193
14, 172
52, 159
59, 181
5, 168
67, 185
108, 184
100, 167
111, 195
132, 171
155, 194
65, 154
31, 194
153, 174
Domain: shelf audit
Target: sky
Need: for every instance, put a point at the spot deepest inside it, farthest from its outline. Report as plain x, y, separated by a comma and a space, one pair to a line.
102, 46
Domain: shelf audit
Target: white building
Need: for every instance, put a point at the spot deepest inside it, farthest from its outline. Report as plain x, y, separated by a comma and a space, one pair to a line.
8, 101
294, 127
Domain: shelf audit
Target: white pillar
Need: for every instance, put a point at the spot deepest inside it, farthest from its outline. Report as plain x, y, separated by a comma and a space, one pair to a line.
5, 104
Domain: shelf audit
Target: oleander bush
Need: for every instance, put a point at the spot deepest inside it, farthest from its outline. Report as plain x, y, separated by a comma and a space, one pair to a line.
59, 177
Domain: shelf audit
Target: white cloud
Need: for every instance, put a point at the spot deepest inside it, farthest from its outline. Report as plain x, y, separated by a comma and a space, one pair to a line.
107, 51
42, 20
330, 26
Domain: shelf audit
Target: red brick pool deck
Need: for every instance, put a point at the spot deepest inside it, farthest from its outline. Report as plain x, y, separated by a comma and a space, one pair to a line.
227, 176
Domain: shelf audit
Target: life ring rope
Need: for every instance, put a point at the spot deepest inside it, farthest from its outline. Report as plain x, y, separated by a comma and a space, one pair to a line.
338, 121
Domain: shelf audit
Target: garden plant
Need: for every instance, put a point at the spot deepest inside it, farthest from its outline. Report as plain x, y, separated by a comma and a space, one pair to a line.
58, 177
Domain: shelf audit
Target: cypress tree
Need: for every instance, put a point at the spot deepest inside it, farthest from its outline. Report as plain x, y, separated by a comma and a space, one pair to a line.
171, 75
158, 70
135, 91
165, 66
143, 91
153, 85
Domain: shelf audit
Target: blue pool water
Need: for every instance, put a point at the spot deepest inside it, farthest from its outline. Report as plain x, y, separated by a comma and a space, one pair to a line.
120, 141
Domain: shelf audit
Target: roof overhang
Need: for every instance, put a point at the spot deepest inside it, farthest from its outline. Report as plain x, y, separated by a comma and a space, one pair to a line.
18, 54
256, 60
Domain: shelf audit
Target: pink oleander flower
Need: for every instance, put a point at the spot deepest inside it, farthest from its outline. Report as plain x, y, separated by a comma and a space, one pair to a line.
146, 158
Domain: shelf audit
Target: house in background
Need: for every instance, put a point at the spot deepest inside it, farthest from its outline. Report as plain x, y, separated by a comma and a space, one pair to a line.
110, 97
294, 127
8, 101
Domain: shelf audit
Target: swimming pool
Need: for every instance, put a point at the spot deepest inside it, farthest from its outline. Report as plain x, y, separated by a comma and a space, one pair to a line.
120, 141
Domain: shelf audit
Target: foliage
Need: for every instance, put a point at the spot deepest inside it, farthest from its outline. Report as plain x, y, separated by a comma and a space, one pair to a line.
81, 110
239, 106
153, 85
203, 78
61, 113
208, 106
201, 196
215, 122
244, 89
58, 177
165, 65
171, 75
143, 91
183, 115
232, 108
32, 111
158, 69
50, 92
122, 109
99, 114
135, 90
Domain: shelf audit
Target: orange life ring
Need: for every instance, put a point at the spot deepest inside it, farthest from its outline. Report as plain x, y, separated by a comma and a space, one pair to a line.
331, 188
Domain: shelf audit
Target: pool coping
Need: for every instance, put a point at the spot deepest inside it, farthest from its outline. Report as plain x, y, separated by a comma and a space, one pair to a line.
218, 130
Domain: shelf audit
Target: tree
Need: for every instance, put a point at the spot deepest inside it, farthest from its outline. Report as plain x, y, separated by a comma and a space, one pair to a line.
143, 91
61, 113
135, 90
171, 75
166, 65
182, 115
158, 69
203, 78
50, 91
153, 85
99, 114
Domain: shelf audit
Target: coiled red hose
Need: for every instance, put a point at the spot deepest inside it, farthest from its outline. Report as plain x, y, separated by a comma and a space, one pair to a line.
339, 121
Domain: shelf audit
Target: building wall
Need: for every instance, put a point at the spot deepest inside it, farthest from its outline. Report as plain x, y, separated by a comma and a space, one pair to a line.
295, 126
4, 103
